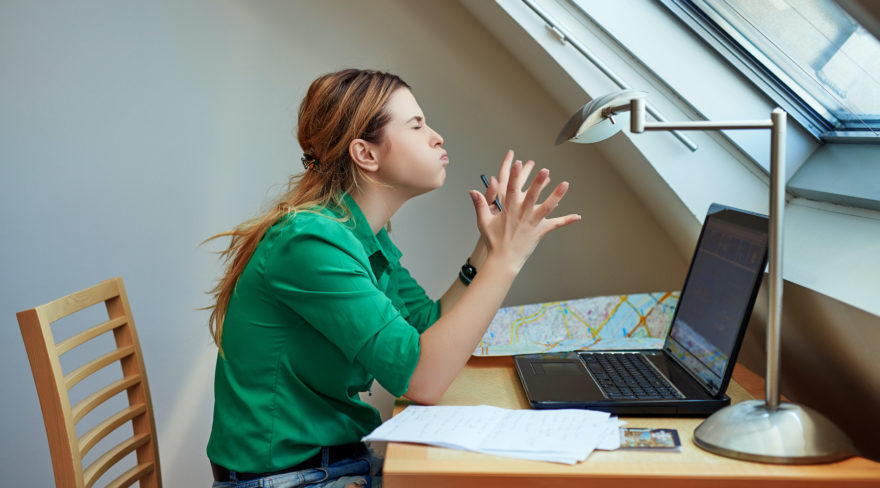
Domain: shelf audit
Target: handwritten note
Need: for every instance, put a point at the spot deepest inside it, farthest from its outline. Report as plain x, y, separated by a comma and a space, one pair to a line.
564, 436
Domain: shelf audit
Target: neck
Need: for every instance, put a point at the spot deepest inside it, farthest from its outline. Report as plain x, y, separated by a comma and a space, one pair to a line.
377, 204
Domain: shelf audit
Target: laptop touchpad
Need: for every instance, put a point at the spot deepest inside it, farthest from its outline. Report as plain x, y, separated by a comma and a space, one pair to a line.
561, 381
556, 368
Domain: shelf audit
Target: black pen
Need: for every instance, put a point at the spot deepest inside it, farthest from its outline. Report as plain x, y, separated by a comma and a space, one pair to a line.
486, 182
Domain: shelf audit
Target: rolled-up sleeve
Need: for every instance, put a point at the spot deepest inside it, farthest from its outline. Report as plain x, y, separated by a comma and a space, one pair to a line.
423, 311
326, 278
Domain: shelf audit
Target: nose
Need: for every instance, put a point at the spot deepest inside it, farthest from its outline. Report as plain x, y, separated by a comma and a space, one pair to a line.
436, 139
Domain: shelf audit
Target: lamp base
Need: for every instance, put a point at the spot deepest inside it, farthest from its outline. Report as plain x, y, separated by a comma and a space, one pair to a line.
788, 434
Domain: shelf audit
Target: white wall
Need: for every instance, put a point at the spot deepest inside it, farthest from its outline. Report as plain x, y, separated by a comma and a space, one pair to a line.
132, 131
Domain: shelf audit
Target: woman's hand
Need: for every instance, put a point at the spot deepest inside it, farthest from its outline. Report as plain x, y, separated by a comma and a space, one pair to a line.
515, 232
507, 238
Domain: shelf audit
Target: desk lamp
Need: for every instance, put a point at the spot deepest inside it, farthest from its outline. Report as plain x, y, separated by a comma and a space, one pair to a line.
753, 430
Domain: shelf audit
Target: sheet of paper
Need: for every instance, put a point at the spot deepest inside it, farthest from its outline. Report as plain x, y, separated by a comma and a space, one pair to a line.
564, 436
611, 436
550, 430
462, 427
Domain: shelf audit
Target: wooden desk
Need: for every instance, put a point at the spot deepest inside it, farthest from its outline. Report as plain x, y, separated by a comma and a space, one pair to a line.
493, 381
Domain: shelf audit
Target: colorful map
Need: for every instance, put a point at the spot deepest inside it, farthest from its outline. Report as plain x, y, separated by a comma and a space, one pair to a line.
638, 321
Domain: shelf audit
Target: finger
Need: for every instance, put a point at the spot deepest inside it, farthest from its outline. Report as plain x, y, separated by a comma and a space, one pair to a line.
552, 201
512, 190
491, 190
550, 225
523, 176
480, 207
504, 172
534, 192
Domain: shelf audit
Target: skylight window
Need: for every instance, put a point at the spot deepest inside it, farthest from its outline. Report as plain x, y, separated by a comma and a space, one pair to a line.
822, 60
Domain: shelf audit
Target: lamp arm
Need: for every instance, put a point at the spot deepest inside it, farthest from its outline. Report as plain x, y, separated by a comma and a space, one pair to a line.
610, 111
638, 124
708, 125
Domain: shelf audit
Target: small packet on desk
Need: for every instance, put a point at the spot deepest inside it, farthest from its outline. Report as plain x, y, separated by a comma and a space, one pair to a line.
649, 439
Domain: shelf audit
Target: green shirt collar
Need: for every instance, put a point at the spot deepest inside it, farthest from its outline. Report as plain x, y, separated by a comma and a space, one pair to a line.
372, 242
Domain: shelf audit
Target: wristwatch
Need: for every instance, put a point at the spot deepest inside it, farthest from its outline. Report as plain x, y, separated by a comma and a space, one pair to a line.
467, 272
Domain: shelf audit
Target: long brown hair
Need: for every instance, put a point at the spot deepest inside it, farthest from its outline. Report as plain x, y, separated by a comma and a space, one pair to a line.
338, 108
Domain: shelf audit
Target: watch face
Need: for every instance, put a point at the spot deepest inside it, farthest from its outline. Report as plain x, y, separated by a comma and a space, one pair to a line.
469, 270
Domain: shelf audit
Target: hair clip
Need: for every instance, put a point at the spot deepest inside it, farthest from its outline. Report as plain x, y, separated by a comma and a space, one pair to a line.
309, 161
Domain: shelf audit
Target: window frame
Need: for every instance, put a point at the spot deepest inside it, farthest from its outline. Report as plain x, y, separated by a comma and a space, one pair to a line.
701, 24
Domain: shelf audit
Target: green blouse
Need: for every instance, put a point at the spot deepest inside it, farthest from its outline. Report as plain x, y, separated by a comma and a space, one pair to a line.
321, 310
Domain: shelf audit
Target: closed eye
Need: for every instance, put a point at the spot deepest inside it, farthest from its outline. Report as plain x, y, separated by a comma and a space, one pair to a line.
418, 120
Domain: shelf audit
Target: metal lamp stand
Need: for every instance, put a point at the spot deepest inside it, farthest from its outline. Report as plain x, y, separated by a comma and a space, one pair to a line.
755, 430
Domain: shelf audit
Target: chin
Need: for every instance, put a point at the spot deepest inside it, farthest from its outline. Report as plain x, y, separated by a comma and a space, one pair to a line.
438, 182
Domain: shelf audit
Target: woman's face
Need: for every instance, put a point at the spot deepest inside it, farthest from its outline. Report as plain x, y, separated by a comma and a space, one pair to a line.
411, 158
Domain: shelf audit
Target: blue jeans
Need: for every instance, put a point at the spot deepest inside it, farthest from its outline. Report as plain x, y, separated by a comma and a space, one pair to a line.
364, 471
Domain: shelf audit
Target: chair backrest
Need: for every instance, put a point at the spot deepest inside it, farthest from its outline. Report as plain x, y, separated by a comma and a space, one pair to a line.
53, 384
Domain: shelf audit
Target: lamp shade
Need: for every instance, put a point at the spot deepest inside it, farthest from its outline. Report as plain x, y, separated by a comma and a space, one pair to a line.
589, 125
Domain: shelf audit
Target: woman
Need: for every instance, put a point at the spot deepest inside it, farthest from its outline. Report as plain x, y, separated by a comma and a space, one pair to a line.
314, 304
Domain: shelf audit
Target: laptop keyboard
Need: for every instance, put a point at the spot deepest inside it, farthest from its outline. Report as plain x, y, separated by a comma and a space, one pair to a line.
629, 376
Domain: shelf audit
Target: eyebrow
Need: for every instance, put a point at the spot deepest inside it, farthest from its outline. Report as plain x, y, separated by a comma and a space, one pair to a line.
417, 118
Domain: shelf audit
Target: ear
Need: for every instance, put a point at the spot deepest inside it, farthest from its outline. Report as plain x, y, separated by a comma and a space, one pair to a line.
364, 154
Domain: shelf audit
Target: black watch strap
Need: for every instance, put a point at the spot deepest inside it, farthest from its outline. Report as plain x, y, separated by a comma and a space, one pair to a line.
467, 272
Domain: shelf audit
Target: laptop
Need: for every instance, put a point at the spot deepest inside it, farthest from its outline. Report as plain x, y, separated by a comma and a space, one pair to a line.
691, 372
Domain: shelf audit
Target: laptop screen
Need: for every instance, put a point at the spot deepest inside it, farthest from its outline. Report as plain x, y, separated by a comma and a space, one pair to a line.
718, 296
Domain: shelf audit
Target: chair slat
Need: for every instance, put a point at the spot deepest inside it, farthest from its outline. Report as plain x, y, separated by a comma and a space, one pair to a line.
111, 457
131, 476
87, 335
90, 367
100, 431
90, 402
70, 304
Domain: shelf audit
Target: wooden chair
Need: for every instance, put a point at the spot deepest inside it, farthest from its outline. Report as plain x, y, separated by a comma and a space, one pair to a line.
53, 385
